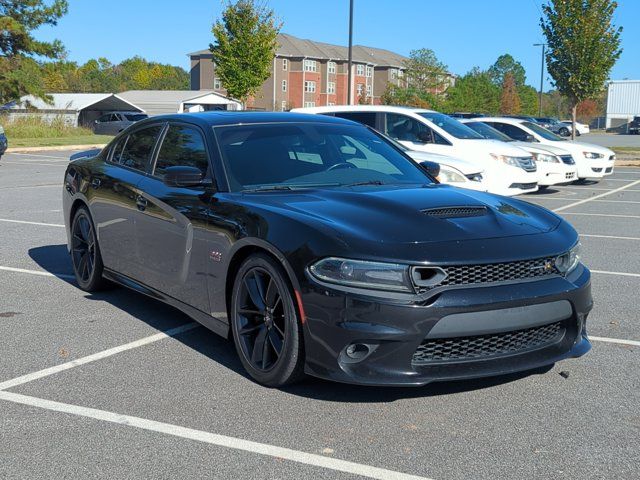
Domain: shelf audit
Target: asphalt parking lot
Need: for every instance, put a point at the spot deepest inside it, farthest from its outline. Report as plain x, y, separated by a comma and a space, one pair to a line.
118, 385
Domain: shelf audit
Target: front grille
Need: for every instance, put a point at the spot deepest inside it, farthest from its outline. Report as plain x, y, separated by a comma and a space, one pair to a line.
597, 170
456, 212
527, 163
523, 186
609, 170
568, 159
438, 350
496, 272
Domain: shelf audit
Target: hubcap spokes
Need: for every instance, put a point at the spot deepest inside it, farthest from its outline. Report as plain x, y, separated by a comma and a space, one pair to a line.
83, 248
260, 319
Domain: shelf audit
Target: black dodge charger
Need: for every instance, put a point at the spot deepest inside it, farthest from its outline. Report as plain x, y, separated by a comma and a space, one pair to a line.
321, 248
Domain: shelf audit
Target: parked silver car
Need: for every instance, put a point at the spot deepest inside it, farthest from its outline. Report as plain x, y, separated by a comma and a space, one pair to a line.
112, 123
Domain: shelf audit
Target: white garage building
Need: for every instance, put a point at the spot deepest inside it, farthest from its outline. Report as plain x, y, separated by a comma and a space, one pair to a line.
159, 102
623, 103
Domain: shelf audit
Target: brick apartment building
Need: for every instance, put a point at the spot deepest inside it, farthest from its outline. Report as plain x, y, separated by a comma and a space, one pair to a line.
308, 74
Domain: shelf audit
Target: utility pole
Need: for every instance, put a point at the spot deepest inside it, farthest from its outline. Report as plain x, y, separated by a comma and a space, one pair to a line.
350, 62
541, 77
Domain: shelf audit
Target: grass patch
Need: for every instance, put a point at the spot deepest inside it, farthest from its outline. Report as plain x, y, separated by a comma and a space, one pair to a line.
626, 149
90, 139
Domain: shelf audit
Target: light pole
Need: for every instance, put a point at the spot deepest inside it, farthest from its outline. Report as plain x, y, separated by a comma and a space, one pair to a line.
541, 77
349, 63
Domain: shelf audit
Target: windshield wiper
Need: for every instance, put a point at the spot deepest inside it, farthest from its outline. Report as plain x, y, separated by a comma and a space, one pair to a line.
268, 188
368, 182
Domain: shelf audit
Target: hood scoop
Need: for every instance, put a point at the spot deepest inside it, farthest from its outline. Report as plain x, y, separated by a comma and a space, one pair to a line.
456, 212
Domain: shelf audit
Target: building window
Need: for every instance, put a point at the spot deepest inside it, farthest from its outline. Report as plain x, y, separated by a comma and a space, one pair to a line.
331, 104
360, 89
309, 87
309, 104
369, 90
369, 72
331, 87
360, 70
394, 73
217, 84
284, 85
400, 73
283, 106
331, 67
285, 64
310, 66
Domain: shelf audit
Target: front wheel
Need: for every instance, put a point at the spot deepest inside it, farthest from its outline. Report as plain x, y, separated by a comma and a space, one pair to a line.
85, 252
564, 132
266, 328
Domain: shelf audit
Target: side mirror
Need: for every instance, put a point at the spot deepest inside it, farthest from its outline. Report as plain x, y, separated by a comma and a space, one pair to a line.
530, 138
183, 176
432, 168
425, 137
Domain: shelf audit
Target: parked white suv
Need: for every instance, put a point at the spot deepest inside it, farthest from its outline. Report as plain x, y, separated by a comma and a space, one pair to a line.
507, 170
555, 165
593, 161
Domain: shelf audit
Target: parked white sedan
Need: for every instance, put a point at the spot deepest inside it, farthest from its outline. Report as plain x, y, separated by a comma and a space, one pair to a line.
593, 161
507, 170
555, 165
581, 128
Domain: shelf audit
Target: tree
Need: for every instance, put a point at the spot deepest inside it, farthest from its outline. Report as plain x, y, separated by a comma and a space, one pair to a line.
529, 100
474, 92
246, 42
425, 72
410, 97
509, 99
18, 19
507, 64
582, 47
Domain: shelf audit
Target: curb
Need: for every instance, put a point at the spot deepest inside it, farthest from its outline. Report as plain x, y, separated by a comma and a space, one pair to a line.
53, 148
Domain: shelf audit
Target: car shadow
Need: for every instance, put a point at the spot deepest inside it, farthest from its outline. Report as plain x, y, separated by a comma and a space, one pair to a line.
55, 259
543, 192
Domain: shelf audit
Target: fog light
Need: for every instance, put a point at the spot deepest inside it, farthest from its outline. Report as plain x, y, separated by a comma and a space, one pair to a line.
356, 351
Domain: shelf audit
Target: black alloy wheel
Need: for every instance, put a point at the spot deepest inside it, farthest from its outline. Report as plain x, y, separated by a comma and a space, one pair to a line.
85, 254
266, 330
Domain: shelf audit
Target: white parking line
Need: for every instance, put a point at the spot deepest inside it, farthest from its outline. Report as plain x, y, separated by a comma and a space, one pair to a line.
38, 155
3, 162
96, 356
8, 220
615, 340
212, 438
622, 274
600, 214
41, 273
609, 236
595, 197
59, 185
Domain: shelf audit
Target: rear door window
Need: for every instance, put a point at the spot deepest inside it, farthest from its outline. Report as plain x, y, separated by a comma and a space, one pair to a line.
404, 128
366, 118
138, 149
182, 146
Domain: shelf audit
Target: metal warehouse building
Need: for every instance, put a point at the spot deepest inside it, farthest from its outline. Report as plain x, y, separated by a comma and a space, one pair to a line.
159, 102
623, 103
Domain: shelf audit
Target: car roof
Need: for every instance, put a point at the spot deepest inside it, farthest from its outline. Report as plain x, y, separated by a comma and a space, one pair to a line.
511, 120
362, 108
218, 118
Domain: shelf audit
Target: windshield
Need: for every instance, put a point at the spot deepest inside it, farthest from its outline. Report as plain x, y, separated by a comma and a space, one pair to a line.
135, 116
543, 132
487, 131
305, 155
451, 125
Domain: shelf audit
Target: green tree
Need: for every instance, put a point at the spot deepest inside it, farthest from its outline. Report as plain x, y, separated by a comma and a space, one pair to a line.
245, 44
474, 92
509, 98
507, 64
18, 47
425, 72
410, 97
583, 45
528, 100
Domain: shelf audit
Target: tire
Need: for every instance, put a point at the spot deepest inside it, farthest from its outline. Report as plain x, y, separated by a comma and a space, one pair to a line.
85, 252
578, 133
542, 187
564, 132
263, 319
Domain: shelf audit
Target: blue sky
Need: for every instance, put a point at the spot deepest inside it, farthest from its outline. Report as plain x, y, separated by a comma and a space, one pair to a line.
463, 33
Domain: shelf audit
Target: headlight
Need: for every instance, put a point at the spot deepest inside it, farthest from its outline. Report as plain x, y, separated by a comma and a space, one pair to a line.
513, 161
544, 157
592, 155
451, 175
569, 261
363, 274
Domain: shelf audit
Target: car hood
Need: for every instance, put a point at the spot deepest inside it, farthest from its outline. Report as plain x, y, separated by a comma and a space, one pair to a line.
392, 215
576, 148
539, 148
464, 166
496, 147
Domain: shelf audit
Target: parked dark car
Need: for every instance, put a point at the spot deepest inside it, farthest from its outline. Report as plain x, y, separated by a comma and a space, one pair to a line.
3, 142
112, 123
634, 127
321, 248
466, 115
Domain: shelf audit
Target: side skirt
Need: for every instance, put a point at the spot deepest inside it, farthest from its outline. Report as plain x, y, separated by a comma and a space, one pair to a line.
214, 324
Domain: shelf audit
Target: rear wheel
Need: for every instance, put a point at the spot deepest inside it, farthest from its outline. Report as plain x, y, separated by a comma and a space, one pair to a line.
85, 252
266, 329
564, 132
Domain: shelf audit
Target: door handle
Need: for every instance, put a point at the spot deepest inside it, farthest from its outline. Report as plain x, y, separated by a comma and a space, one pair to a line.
141, 202
95, 182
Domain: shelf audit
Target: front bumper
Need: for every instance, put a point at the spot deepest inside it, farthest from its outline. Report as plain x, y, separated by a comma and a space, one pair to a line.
556, 173
393, 330
595, 168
